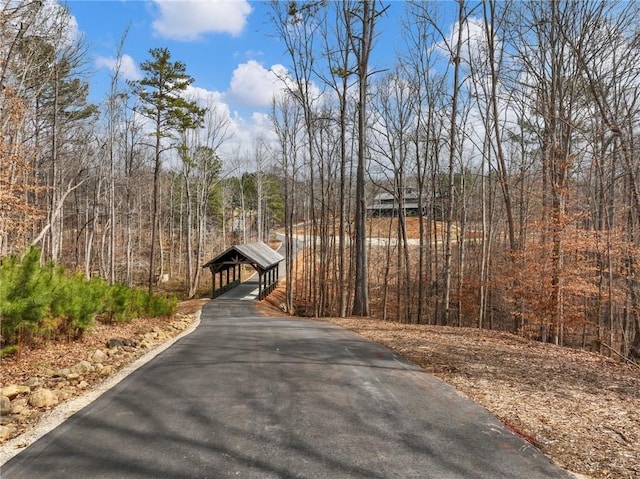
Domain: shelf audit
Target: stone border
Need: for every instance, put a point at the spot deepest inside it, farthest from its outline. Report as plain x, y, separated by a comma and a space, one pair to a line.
61, 413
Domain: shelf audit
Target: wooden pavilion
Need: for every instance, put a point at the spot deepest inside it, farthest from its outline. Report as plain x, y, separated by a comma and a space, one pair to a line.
227, 267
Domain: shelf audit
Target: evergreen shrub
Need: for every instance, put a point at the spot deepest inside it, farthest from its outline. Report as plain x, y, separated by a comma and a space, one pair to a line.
24, 296
46, 301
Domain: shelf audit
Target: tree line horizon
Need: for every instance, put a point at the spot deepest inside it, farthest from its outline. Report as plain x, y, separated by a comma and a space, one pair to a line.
517, 125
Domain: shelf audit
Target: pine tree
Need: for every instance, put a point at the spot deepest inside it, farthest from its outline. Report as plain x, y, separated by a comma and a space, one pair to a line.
161, 94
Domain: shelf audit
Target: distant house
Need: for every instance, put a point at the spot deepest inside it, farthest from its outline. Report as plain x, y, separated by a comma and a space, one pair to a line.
386, 205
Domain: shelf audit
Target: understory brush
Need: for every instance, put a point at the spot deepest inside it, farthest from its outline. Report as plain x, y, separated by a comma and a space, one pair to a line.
41, 302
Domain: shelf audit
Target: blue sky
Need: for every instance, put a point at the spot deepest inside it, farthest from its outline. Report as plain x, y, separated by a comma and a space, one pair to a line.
211, 55
236, 33
227, 46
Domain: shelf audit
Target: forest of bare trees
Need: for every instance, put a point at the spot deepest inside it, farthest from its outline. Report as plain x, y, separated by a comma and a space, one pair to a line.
131, 189
518, 127
517, 124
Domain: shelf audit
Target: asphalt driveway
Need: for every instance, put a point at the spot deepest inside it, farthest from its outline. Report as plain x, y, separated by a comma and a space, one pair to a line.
247, 396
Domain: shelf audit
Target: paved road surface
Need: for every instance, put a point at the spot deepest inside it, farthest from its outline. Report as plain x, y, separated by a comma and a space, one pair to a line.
246, 291
245, 396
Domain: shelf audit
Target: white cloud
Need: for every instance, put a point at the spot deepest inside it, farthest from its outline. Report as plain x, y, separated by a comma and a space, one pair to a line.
53, 21
248, 131
262, 127
474, 41
204, 97
254, 86
240, 132
128, 68
189, 20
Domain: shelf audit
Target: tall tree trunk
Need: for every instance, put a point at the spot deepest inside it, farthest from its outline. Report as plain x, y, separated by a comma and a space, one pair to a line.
188, 233
503, 173
453, 150
154, 210
362, 47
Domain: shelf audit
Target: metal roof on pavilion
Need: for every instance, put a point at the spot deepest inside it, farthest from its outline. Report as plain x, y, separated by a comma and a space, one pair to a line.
259, 255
